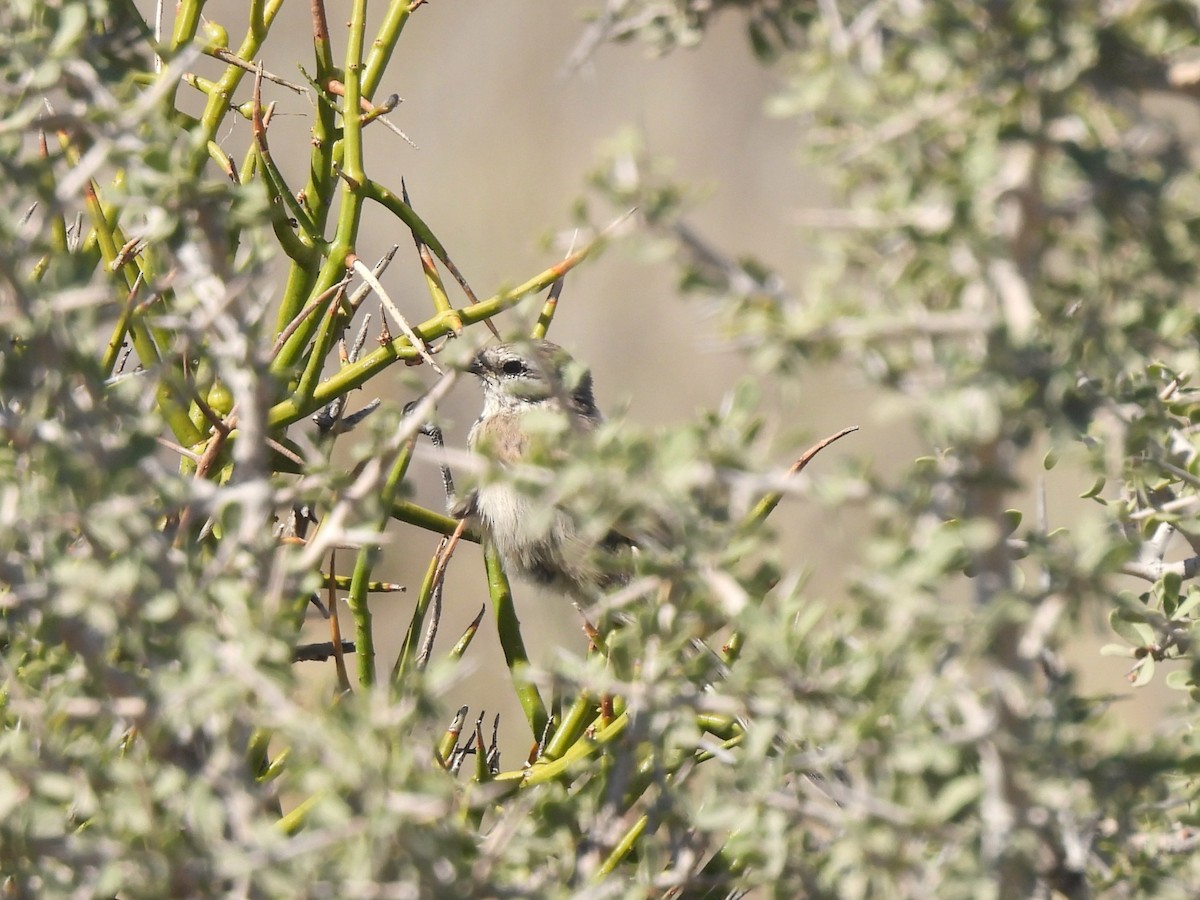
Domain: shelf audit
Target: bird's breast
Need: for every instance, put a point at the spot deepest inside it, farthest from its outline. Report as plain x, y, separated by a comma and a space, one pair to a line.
499, 437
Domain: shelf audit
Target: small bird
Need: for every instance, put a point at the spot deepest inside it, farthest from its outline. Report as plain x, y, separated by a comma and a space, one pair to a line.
537, 402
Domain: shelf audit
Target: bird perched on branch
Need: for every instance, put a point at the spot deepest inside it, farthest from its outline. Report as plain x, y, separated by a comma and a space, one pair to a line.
537, 403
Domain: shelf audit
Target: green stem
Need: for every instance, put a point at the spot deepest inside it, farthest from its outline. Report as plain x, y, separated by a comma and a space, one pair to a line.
394, 204
282, 199
461, 645
219, 97
294, 820
384, 45
364, 639
426, 518
326, 336
515, 655
360, 609
319, 189
350, 214
705, 755
413, 636
574, 723
540, 773
623, 848
302, 274
733, 648
356, 375
342, 583
352, 159
290, 353
187, 19
110, 239
449, 740
257, 758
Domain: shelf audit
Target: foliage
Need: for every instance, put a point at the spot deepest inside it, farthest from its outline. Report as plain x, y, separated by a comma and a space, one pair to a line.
1012, 269
1012, 263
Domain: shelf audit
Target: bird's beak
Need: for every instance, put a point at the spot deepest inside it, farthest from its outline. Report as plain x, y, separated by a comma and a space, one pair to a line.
475, 366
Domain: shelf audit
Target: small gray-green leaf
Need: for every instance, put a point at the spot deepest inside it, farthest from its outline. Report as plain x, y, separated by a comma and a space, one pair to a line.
1189, 604
1179, 680
1094, 490
1128, 625
1144, 673
954, 797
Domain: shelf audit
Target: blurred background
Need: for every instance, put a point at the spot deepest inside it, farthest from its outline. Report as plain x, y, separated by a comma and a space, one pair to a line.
505, 140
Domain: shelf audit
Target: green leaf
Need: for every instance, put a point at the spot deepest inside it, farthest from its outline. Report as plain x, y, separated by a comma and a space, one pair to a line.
1144, 674
1179, 680
1129, 625
1094, 491
954, 797
1189, 603
1166, 590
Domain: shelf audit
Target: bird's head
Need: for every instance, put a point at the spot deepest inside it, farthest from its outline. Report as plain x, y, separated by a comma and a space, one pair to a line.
533, 374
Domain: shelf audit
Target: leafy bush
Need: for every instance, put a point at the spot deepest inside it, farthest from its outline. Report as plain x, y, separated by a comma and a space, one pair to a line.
1012, 268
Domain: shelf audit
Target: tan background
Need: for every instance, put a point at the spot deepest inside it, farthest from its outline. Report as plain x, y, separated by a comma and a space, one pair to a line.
506, 141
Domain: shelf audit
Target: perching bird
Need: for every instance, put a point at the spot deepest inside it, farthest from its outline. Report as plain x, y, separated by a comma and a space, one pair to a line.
537, 402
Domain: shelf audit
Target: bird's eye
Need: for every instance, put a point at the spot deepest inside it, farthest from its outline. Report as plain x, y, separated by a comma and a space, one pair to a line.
513, 367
